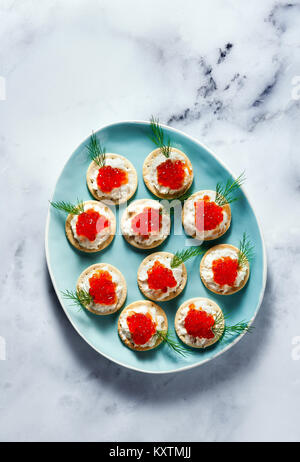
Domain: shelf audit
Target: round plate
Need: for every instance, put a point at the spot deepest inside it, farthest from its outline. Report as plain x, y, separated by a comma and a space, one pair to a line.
131, 139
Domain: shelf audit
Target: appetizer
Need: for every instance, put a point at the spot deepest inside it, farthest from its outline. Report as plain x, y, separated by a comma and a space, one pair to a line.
199, 323
167, 171
110, 176
225, 269
90, 225
206, 214
143, 325
101, 289
145, 224
157, 280
140, 323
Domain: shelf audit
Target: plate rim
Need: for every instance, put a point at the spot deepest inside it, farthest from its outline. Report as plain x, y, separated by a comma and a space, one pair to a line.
264, 272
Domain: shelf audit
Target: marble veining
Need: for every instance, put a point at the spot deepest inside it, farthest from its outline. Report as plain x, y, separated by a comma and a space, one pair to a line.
222, 72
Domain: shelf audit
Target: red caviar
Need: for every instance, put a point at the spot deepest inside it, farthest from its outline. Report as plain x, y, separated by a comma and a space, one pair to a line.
208, 212
102, 288
149, 220
225, 270
141, 327
109, 178
160, 277
198, 323
90, 223
171, 174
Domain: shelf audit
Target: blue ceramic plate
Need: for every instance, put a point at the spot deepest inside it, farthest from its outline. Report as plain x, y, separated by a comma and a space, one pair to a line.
65, 264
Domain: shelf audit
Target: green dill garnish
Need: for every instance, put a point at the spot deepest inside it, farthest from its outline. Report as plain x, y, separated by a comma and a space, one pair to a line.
218, 327
182, 255
224, 333
68, 207
225, 193
80, 297
246, 251
172, 343
97, 152
238, 328
158, 137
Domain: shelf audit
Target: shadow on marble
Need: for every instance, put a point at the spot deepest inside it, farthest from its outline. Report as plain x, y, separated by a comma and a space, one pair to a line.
241, 359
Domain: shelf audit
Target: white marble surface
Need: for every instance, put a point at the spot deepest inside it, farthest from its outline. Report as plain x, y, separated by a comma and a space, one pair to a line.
220, 70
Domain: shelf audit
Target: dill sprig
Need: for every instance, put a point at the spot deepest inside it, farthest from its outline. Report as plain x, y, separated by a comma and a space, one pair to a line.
218, 326
158, 137
97, 152
225, 192
172, 343
238, 328
228, 331
68, 207
80, 297
246, 251
182, 255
